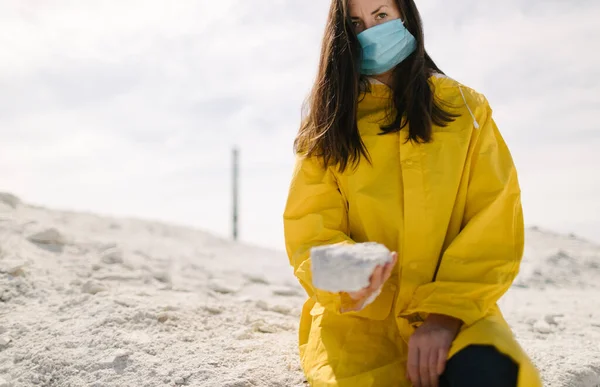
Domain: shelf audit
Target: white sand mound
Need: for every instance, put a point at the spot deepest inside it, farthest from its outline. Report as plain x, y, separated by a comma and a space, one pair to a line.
118, 302
554, 308
90, 301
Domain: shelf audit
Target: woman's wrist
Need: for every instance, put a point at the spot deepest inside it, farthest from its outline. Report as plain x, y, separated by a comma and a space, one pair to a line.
449, 322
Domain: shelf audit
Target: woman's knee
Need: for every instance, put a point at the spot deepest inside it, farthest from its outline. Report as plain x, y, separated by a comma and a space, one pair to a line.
480, 365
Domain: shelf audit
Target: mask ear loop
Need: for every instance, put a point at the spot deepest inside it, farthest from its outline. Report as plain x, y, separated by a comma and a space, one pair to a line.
475, 123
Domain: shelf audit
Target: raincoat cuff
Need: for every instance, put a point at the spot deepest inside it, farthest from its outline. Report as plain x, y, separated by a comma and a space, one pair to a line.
328, 300
340, 303
428, 299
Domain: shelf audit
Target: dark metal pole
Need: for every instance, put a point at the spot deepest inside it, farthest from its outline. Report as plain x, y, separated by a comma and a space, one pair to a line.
235, 192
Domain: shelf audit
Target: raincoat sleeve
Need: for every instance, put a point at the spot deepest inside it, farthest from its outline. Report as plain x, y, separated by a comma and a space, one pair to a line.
480, 264
315, 214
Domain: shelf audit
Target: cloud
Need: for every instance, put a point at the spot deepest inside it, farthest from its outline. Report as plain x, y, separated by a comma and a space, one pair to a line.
132, 107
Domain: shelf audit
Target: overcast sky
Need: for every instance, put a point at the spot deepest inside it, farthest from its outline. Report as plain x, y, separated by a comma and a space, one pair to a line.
131, 107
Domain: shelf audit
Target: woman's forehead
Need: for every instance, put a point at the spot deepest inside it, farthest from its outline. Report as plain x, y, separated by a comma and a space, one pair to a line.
370, 4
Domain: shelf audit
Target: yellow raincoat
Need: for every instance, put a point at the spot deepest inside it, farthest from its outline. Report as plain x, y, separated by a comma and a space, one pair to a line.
456, 199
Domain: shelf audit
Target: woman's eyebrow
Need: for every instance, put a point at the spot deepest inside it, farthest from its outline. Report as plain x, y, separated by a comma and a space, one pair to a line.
372, 13
378, 9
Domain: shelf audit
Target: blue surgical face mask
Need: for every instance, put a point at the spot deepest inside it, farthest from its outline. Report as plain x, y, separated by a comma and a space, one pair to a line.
385, 46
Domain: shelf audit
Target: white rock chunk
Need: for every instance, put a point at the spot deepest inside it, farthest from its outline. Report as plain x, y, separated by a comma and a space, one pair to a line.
117, 356
346, 268
93, 287
551, 318
112, 256
50, 236
222, 287
163, 276
542, 326
162, 317
4, 341
13, 267
286, 291
9, 199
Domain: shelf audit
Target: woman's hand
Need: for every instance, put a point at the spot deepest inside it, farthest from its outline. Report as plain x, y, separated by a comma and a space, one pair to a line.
378, 278
428, 349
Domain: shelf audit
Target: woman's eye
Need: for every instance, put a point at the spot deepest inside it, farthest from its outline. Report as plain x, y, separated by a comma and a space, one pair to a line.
382, 15
355, 24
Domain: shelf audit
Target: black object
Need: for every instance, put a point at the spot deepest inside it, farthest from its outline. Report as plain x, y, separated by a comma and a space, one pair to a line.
480, 366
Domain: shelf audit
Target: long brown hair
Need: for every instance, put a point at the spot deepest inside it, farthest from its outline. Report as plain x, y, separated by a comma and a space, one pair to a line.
329, 129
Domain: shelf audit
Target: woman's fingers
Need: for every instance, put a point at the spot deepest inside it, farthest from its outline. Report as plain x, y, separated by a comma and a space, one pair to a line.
373, 286
376, 279
359, 295
424, 366
441, 364
380, 275
413, 366
389, 267
434, 377
366, 292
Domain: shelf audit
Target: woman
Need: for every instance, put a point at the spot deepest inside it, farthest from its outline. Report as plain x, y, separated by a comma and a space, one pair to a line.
393, 151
